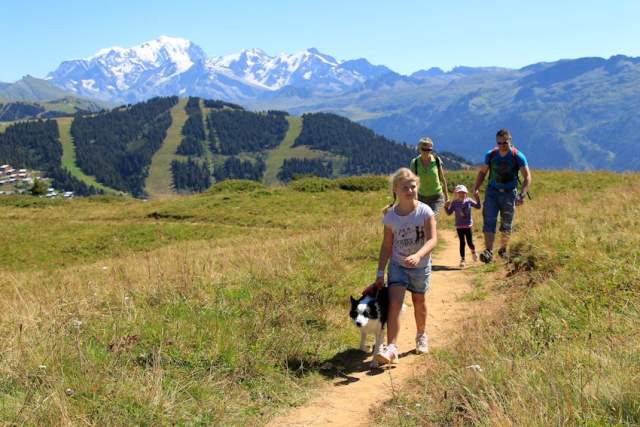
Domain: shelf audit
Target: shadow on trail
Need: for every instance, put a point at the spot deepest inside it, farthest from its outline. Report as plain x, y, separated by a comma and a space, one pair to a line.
444, 268
342, 365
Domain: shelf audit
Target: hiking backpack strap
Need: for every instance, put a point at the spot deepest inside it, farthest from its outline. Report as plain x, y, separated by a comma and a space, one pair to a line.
514, 156
438, 164
414, 163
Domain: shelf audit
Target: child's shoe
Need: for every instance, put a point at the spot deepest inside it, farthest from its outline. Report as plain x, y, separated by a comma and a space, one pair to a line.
502, 252
388, 355
422, 343
475, 256
462, 263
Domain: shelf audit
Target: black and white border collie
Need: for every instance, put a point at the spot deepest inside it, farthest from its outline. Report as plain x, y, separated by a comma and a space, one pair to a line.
369, 314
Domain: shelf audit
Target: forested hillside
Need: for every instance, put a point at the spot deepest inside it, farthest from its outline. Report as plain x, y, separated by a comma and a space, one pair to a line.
116, 146
35, 145
214, 141
366, 152
234, 131
19, 110
193, 175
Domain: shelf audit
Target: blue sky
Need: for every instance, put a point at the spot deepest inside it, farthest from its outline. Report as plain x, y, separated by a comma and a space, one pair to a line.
403, 35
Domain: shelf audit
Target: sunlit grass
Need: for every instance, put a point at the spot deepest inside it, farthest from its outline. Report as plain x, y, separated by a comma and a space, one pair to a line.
563, 351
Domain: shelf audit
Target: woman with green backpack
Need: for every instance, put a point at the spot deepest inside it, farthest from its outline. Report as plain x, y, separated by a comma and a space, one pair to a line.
433, 185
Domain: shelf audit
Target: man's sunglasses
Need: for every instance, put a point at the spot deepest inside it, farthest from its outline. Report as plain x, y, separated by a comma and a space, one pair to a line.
502, 143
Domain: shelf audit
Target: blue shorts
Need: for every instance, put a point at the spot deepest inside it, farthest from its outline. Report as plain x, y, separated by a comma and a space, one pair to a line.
416, 280
498, 202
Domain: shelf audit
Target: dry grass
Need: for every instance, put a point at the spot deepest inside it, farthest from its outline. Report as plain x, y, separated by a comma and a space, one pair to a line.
193, 332
564, 351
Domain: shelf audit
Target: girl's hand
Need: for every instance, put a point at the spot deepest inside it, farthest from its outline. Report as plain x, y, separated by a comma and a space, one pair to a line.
447, 204
412, 260
372, 288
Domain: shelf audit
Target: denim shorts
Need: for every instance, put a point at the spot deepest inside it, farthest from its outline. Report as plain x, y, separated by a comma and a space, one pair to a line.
416, 280
498, 202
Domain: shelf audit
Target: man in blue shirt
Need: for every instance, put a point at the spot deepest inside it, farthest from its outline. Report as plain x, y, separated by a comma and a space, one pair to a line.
503, 164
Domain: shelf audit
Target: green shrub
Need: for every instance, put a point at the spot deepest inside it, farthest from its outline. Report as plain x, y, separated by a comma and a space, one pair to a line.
236, 185
363, 183
27, 201
313, 184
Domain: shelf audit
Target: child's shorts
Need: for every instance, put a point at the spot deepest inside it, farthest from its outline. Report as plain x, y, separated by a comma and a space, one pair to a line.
416, 280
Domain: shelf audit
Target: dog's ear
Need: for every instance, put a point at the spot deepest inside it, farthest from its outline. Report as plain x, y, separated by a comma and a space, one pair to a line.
353, 300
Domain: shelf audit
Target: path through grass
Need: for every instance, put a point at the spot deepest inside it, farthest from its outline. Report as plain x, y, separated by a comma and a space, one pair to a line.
158, 183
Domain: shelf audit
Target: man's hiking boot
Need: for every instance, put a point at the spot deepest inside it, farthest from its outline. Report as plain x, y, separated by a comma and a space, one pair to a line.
486, 256
422, 343
502, 252
388, 355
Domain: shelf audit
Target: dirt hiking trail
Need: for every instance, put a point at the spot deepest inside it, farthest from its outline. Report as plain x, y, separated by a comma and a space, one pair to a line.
355, 390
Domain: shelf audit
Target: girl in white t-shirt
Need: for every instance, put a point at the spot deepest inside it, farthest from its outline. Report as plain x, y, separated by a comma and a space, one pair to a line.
409, 237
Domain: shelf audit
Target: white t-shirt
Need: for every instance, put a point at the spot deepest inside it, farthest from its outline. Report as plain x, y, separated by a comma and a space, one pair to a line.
408, 233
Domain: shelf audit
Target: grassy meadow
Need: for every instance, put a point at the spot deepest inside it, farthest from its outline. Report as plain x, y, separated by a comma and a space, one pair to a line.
564, 348
224, 307
186, 310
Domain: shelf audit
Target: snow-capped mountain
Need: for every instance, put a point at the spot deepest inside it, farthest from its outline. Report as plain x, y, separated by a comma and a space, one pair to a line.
170, 66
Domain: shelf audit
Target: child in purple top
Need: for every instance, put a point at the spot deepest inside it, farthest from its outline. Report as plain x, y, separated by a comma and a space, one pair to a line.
462, 207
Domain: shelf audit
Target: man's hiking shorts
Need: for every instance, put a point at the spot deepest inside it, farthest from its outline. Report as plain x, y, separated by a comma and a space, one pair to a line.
502, 202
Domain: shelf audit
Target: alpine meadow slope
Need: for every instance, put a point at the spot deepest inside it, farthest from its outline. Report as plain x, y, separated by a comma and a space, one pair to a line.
171, 311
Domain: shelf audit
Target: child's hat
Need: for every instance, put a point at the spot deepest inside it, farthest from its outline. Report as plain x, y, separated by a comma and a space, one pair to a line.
459, 188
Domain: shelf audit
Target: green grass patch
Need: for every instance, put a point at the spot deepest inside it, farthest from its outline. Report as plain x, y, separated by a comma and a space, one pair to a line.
313, 184
233, 185
69, 156
275, 157
159, 182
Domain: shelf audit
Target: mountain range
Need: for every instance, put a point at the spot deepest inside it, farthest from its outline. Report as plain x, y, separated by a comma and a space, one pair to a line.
170, 65
577, 113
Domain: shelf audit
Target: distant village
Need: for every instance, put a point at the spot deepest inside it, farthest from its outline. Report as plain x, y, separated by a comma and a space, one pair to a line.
20, 181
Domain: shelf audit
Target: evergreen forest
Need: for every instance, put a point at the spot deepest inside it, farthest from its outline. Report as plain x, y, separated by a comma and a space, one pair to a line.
295, 167
116, 146
35, 145
366, 152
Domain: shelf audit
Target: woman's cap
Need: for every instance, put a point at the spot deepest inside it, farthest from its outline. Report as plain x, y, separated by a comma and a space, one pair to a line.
460, 188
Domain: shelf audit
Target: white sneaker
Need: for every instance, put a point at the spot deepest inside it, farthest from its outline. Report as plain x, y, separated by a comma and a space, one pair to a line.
422, 344
475, 256
388, 355
462, 263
